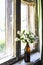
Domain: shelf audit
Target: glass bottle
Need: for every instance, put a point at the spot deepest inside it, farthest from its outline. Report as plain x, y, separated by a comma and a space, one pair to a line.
27, 53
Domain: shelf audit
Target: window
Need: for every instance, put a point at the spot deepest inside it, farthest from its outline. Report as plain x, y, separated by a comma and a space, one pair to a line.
9, 27
24, 22
6, 29
32, 12
28, 22
2, 27
10, 22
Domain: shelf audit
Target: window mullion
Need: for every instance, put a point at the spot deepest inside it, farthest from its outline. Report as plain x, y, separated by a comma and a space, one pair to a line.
18, 26
14, 28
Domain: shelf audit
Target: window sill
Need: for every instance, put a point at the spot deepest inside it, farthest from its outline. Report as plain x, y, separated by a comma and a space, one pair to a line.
15, 61
38, 62
33, 59
5, 59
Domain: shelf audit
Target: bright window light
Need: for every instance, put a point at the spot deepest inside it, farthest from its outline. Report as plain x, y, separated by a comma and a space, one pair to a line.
27, 22
6, 28
2, 26
24, 21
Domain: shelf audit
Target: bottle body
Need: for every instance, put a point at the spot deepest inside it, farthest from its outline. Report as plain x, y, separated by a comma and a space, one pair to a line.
27, 53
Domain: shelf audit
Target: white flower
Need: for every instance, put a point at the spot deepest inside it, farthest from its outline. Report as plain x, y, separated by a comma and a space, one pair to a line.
17, 39
36, 37
31, 35
18, 32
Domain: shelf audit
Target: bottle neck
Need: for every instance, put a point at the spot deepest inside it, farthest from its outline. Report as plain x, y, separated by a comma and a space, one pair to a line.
27, 44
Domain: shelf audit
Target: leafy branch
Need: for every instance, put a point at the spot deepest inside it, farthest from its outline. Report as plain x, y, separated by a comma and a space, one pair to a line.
26, 37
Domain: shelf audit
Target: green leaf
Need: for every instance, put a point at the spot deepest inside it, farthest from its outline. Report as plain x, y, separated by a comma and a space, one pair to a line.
23, 31
23, 41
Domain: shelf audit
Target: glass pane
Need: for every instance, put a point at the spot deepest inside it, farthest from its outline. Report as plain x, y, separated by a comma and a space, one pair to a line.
24, 20
32, 23
6, 28
28, 22
9, 27
32, 18
2, 26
